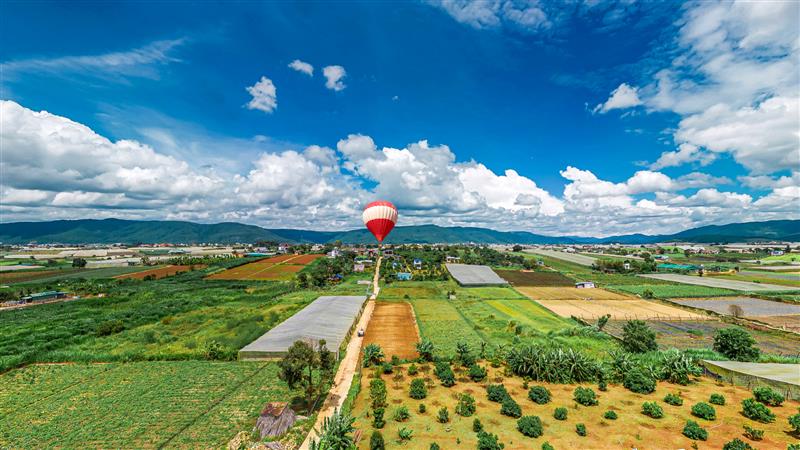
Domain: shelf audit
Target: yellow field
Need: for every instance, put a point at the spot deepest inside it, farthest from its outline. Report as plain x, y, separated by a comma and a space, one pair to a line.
569, 293
628, 309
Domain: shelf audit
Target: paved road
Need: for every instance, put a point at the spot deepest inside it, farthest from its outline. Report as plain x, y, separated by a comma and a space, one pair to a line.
570, 257
718, 283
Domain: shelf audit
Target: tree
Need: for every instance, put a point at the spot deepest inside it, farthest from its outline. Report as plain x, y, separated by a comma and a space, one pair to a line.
637, 337
464, 354
517, 248
425, 350
78, 262
736, 344
299, 365
735, 310
372, 355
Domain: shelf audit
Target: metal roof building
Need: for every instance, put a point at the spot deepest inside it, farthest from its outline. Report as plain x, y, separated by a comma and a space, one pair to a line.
472, 275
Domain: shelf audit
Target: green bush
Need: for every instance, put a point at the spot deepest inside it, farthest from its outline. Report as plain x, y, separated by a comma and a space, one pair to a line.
767, 396
673, 399
487, 441
753, 434
637, 337
372, 354
737, 444
445, 374
704, 411
412, 370
602, 385
736, 344
434, 446
530, 426
652, 409
443, 416
580, 429
496, 392
418, 391
547, 446
376, 441
793, 446
756, 411
560, 413
405, 434
422, 408
693, 430
552, 364
377, 418
636, 380
387, 368
477, 373
794, 422
510, 408
466, 405
584, 396
110, 327
477, 425
401, 414
677, 367
377, 393
539, 394
610, 415
717, 399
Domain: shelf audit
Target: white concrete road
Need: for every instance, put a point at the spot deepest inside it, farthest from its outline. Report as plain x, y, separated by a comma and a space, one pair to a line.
718, 283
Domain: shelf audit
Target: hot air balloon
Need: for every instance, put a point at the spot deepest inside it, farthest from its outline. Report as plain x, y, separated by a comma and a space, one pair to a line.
380, 217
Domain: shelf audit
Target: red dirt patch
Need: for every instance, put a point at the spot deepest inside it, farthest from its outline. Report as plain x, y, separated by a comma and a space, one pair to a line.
161, 272
393, 327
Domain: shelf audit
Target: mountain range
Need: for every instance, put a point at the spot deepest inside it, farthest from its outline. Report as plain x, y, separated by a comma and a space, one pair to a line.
106, 231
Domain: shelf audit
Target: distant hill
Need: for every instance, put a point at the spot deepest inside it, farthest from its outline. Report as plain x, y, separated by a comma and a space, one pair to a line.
89, 231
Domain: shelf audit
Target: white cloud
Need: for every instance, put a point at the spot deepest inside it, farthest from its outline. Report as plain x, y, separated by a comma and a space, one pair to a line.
265, 96
624, 96
302, 66
525, 15
333, 77
686, 153
767, 182
783, 199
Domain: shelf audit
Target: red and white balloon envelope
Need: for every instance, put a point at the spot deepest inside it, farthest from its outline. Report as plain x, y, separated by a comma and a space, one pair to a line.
380, 217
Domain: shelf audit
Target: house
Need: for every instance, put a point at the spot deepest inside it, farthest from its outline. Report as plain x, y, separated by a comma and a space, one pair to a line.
335, 253
46, 295
452, 259
275, 420
358, 267
403, 276
776, 253
388, 252
626, 266
539, 262
417, 263
661, 257
585, 285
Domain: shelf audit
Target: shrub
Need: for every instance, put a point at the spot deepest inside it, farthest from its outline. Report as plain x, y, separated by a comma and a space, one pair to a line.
737, 444
377, 393
387, 368
767, 396
794, 422
425, 350
753, 434
477, 373
445, 374
554, 365
372, 354
637, 337
510, 408
422, 408
704, 411
466, 405
377, 418
673, 399
547, 446
580, 429
434, 446
636, 380
560, 413
539, 394
584, 396
610, 415
652, 409
602, 386
412, 370
677, 367
477, 425
405, 434
756, 411
487, 441
418, 391
530, 426
464, 354
443, 416
717, 399
110, 327
736, 344
793, 447
376, 441
693, 430
401, 414
496, 392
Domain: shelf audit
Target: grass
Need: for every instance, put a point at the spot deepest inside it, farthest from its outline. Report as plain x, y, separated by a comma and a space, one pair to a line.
578, 272
188, 404
674, 290
440, 321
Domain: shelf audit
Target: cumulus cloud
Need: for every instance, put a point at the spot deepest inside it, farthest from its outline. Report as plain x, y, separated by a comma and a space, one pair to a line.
265, 96
622, 97
686, 153
525, 15
302, 66
333, 77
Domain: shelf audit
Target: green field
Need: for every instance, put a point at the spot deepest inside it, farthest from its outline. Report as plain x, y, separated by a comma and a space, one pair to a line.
674, 290
578, 272
91, 274
189, 404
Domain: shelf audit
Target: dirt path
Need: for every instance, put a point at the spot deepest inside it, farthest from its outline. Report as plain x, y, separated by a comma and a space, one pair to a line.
347, 368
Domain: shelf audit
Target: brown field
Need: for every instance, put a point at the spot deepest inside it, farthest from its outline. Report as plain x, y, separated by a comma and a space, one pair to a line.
619, 309
570, 293
161, 272
632, 429
529, 278
393, 327
275, 268
30, 275
788, 323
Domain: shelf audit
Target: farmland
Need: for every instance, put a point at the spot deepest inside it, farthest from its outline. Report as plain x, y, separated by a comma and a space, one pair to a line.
718, 283
136, 405
750, 307
36, 274
158, 273
393, 327
528, 278
673, 290
570, 293
281, 267
631, 309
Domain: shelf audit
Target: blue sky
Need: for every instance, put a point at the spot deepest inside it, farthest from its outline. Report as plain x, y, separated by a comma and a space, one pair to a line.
614, 117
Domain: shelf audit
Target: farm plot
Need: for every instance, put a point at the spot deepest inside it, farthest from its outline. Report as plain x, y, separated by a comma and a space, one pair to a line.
749, 307
788, 323
36, 274
279, 267
569, 293
629, 309
673, 290
188, 404
718, 283
692, 334
158, 273
528, 278
393, 327
442, 323
583, 260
